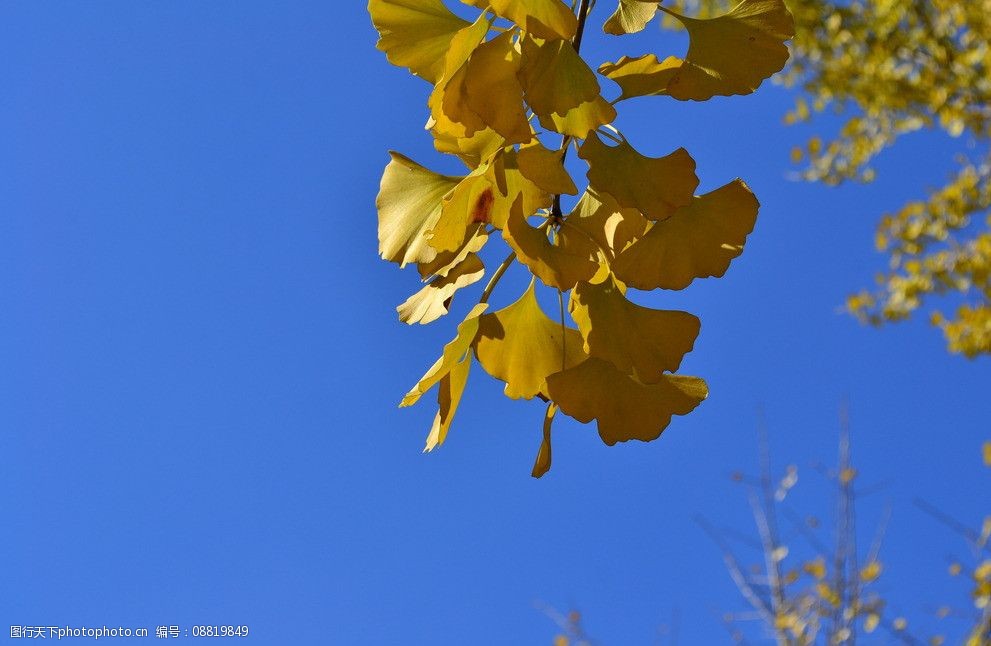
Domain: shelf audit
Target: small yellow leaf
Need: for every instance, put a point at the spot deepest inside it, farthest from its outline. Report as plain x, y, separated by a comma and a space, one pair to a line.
630, 17
899, 623
657, 187
624, 408
452, 386
543, 463
493, 91
452, 354
870, 572
445, 261
561, 640
471, 150
521, 346
415, 33
580, 120
545, 168
604, 221
871, 622
697, 241
733, 53
954, 569
409, 205
542, 18
433, 300
638, 341
987, 454
816, 568
827, 594
642, 76
847, 475
570, 259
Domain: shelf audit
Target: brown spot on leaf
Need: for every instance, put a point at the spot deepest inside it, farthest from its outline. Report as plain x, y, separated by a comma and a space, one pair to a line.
482, 211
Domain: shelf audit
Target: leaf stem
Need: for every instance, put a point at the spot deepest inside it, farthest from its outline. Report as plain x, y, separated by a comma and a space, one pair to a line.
496, 276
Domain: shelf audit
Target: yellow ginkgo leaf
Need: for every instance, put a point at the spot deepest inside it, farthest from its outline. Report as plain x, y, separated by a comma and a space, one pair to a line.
545, 168
452, 385
521, 346
987, 454
513, 184
697, 241
543, 462
561, 89
469, 203
415, 33
657, 187
434, 300
732, 53
409, 202
624, 408
816, 568
450, 114
630, 17
641, 342
453, 353
643, 76
542, 18
445, 261
571, 258
471, 150
871, 622
493, 91
604, 221
870, 572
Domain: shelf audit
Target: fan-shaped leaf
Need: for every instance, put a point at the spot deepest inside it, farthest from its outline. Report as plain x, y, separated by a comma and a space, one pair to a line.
642, 76
630, 16
493, 91
434, 300
604, 221
545, 168
542, 18
571, 258
452, 385
415, 33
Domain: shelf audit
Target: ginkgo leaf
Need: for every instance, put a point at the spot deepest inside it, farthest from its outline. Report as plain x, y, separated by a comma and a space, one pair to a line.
543, 462
624, 408
542, 18
493, 91
698, 241
415, 33
733, 53
470, 150
450, 113
639, 341
409, 202
572, 257
561, 89
657, 187
643, 76
468, 203
452, 386
604, 221
630, 17
545, 168
434, 300
452, 354
448, 260
521, 346
513, 184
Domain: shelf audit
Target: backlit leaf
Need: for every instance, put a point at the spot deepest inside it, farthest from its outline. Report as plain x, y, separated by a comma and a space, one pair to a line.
570, 259
445, 261
543, 462
471, 150
639, 341
580, 120
733, 53
409, 205
521, 346
624, 408
415, 33
493, 91
697, 241
452, 385
630, 17
545, 168
657, 187
450, 114
643, 76
542, 18
453, 354
433, 300
604, 221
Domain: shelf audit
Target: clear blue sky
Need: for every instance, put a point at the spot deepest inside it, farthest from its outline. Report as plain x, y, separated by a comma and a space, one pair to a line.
201, 360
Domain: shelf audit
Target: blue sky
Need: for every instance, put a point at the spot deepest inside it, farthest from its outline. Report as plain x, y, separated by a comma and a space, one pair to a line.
202, 361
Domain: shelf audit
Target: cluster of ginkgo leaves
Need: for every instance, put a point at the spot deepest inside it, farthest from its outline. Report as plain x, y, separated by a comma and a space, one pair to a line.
511, 94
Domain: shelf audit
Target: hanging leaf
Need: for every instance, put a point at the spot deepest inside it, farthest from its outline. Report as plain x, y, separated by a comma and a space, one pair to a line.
415, 33
542, 18
604, 221
450, 113
434, 300
643, 76
624, 408
493, 91
521, 346
641, 342
453, 353
445, 261
452, 385
409, 205
698, 241
543, 462
657, 187
545, 168
630, 17
571, 258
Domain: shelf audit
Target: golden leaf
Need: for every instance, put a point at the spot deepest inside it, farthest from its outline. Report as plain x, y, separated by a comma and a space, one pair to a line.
697, 241
571, 259
816, 568
624, 408
638, 341
870, 572
630, 17
415, 33
450, 115
561, 89
409, 202
643, 76
445, 261
493, 91
433, 301
987, 454
542, 18
657, 187
543, 462
513, 184
732, 53
452, 385
470, 150
604, 221
452, 354
520, 345
470, 202
545, 168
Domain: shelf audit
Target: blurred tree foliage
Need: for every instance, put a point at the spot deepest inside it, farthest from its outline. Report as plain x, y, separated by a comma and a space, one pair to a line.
892, 67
